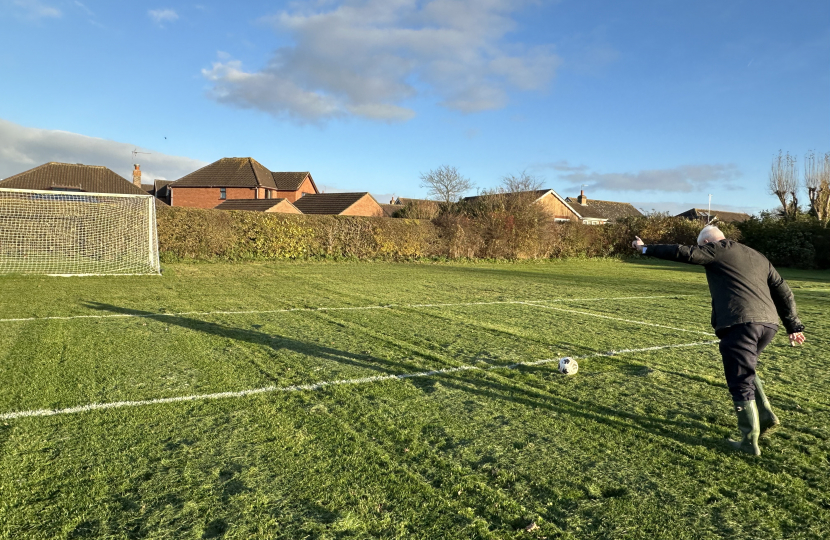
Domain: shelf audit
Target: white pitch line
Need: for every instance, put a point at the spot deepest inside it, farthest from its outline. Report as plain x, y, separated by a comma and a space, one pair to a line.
318, 385
348, 308
644, 323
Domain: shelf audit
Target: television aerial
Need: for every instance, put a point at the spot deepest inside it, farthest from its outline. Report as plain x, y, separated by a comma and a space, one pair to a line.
136, 152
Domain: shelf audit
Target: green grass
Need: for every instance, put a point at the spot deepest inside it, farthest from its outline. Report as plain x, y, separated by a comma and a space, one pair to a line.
631, 447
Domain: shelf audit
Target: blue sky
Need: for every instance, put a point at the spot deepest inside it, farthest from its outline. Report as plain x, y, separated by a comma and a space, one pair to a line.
659, 103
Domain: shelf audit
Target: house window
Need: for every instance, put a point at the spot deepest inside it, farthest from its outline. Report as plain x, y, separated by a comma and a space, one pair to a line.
268, 194
223, 193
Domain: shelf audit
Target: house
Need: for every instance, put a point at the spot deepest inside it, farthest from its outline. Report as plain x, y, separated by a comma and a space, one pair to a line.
552, 202
282, 206
340, 204
600, 212
159, 190
73, 177
705, 216
238, 178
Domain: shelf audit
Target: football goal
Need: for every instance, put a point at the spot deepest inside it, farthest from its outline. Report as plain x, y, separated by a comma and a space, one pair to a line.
71, 233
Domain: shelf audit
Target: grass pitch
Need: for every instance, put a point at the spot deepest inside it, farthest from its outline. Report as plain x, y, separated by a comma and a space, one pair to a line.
497, 445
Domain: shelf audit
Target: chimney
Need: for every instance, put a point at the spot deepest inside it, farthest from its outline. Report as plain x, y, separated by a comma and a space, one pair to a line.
582, 199
137, 176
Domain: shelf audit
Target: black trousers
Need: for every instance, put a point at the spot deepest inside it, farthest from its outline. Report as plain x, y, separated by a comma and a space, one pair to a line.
740, 346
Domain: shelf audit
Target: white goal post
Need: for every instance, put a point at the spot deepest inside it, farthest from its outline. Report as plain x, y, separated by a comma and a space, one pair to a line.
69, 233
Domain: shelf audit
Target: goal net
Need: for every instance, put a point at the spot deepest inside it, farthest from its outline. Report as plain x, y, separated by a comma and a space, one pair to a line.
70, 233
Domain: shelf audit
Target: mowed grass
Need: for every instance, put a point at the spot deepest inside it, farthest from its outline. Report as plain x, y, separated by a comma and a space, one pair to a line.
630, 447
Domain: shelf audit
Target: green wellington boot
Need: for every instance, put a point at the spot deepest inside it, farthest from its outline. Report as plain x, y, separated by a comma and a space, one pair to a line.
768, 421
750, 427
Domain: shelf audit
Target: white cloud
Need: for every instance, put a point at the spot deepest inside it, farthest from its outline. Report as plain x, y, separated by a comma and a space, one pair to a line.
83, 7
22, 148
685, 178
366, 58
161, 16
34, 9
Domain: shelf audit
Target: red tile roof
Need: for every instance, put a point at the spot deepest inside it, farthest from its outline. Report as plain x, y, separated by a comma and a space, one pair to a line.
243, 172
229, 172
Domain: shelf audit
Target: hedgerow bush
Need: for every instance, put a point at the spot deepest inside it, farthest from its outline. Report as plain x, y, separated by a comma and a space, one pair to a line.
803, 243
200, 234
493, 229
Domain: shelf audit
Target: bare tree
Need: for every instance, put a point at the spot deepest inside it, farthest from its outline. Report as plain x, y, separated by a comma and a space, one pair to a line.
445, 184
817, 181
517, 183
783, 183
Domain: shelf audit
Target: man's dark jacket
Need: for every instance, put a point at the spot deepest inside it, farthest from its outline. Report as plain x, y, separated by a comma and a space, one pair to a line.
745, 287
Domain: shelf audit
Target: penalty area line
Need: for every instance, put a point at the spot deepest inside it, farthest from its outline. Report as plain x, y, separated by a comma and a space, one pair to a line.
344, 308
323, 384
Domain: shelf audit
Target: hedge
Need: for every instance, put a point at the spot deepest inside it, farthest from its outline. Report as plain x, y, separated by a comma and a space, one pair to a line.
198, 234
803, 244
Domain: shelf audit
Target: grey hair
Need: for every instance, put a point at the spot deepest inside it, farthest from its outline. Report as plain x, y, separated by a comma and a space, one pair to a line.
711, 233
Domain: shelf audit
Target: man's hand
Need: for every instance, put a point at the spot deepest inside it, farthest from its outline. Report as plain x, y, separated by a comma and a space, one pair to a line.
797, 338
637, 244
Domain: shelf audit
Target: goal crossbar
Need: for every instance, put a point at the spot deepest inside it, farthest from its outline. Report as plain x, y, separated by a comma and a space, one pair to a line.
72, 233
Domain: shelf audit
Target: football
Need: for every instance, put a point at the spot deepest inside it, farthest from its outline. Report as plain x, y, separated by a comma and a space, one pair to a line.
568, 366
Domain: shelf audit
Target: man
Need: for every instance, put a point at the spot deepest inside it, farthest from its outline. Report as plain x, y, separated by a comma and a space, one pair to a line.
748, 296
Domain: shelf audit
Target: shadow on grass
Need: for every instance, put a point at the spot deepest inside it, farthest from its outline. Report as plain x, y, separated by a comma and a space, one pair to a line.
490, 384
493, 386
276, 342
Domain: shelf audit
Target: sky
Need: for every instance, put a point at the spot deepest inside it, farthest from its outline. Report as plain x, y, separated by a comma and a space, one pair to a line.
656, 102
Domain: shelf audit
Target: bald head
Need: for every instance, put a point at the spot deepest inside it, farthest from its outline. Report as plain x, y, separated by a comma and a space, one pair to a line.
710, 233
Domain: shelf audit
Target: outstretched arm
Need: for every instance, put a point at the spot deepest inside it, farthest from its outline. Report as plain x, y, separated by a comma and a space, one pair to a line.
784, 301
674, 252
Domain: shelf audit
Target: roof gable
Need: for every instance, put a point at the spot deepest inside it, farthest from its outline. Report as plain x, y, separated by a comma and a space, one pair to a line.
88, 178
291, 181
229, 172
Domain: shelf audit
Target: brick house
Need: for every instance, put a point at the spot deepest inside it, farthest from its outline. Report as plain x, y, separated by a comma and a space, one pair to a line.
238, 178
340, 204
282, 206
73, 177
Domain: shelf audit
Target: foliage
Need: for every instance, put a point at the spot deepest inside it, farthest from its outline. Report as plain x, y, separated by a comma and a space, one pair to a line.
802, 243
418, 209
198, 234
495, 226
